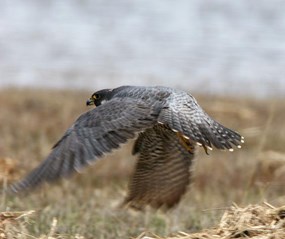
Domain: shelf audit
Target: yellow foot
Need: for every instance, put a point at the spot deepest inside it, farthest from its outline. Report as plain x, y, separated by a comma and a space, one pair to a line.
186, 142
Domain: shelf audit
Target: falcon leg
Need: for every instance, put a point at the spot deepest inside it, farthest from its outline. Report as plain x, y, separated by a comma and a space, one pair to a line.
186, 143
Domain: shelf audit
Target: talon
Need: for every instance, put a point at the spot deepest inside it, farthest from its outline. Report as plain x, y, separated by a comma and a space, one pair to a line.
186, 143
205, 148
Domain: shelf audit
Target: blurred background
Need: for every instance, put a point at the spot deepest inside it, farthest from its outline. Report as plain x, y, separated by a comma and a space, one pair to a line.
223, 47
229, 54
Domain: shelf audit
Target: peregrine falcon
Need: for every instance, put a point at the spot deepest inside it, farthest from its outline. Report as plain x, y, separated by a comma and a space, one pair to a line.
168, 125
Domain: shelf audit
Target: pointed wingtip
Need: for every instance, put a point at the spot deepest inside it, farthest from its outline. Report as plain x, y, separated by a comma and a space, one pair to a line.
12, 189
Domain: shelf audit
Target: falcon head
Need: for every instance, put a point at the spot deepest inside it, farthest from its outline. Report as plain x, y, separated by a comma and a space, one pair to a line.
99, 97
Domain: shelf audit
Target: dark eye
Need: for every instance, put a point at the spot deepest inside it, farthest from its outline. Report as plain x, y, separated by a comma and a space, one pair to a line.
96, 96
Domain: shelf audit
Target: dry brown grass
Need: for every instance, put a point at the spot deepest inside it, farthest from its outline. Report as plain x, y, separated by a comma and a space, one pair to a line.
31, 121
253, 221
13, 224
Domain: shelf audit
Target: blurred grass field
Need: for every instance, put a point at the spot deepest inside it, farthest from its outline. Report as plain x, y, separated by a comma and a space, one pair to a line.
86, 205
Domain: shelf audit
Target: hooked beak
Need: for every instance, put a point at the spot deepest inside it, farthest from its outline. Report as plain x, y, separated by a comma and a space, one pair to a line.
90, 102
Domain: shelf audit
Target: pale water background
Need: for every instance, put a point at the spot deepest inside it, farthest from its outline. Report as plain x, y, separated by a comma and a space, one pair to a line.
225, 47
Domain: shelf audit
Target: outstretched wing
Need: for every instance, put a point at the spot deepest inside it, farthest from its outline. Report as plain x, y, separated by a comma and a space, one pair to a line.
94, 133
183, 114
162, 172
